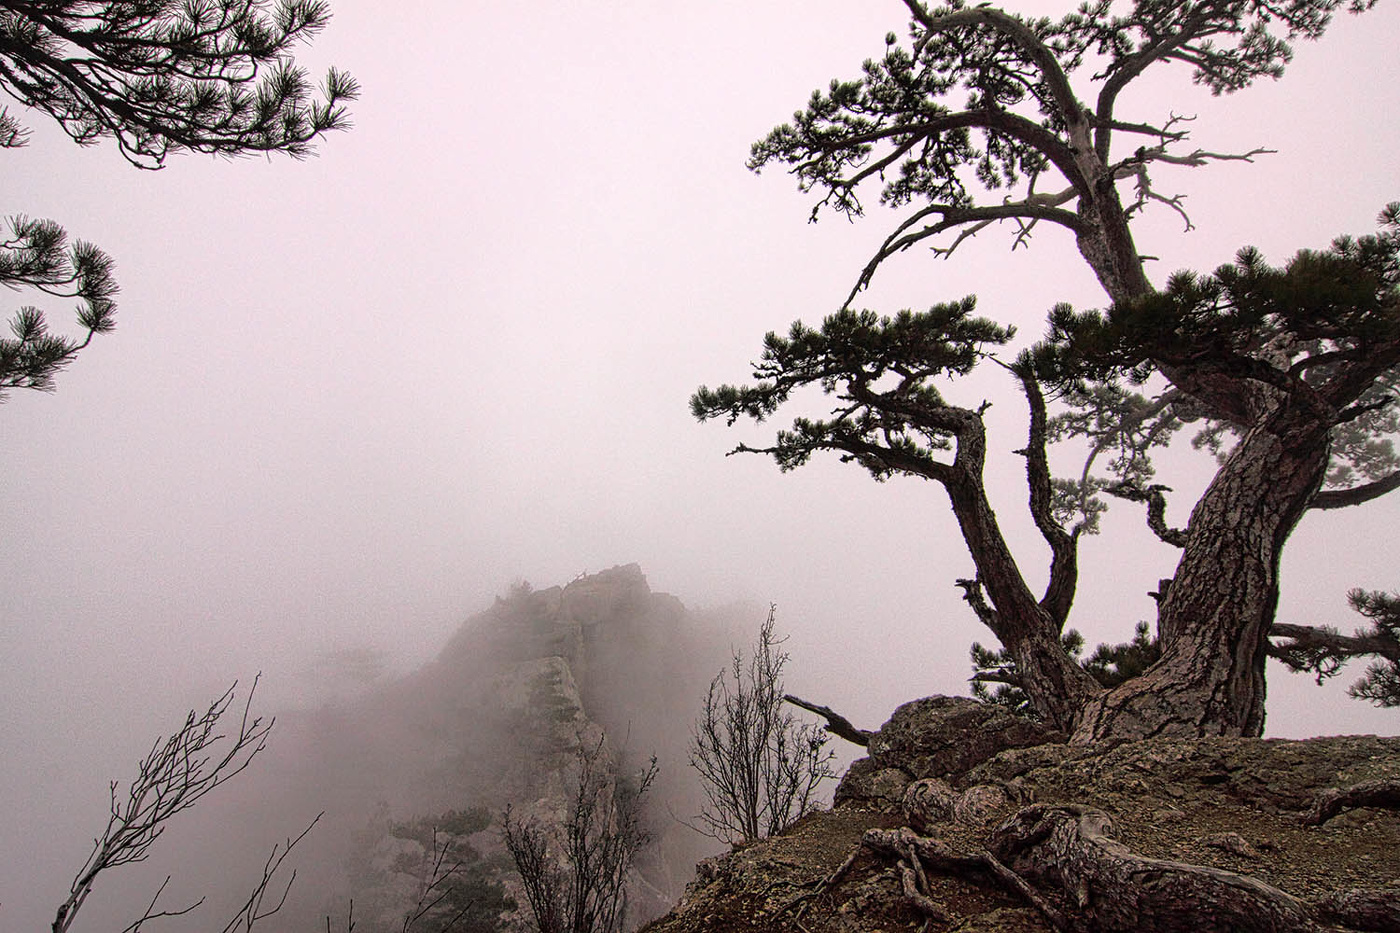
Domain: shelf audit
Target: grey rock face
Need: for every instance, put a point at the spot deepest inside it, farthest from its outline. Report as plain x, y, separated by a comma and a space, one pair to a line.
939, 736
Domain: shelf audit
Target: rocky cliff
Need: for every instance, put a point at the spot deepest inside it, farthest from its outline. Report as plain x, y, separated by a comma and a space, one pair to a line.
500, 716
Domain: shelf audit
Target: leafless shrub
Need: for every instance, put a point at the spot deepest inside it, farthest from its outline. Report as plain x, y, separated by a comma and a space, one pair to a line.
759, 764
584, 889
175, 775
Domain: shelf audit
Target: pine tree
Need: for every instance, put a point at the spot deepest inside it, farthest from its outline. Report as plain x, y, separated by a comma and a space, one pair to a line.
1289, 372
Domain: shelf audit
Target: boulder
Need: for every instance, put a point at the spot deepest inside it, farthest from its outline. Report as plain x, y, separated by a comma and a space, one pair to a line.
943, 737
866, 784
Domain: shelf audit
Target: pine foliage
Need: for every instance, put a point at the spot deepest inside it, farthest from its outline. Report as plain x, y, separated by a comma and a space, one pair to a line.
157, 77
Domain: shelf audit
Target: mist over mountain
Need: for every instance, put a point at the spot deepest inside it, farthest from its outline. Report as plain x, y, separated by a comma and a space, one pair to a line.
497, 718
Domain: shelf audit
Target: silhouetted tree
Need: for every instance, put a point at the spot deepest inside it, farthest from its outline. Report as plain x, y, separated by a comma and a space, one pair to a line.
157, 77
1293, 369
575, 875
760, 765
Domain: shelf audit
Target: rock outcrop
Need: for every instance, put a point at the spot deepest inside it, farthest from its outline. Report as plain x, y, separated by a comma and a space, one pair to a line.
990, 830
937, 736
500, 717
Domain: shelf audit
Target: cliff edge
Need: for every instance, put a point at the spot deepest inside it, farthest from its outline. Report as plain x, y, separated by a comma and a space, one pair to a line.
963, 820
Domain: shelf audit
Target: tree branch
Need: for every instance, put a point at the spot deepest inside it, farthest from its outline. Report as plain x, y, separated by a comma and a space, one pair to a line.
836, 724
1356, 495
1013, 28
1307, 638
1032, 208
1064, 563
1156, 510
974, 597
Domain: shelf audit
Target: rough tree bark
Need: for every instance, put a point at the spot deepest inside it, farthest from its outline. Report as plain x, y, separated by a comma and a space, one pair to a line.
1214, 619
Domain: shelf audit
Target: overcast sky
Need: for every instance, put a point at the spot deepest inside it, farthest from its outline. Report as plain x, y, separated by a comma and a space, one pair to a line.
350, 399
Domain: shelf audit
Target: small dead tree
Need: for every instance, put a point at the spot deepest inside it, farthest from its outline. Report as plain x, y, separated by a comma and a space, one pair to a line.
175, 775
583, 889
759, 764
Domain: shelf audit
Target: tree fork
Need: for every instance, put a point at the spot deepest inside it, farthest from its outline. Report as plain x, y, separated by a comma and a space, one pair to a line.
1215, 617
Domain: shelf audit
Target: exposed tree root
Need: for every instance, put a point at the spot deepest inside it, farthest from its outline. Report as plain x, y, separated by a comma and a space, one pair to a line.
1382, 794
918, 850
1070, 848
1063, 861
1376, 910
914, 884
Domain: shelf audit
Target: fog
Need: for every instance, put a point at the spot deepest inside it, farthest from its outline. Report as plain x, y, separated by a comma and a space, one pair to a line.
352, 399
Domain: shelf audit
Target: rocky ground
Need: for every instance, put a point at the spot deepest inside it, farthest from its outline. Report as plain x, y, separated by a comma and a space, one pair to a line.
1014, 830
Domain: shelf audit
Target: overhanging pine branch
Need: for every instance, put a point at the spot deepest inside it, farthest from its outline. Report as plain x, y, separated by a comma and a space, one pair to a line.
1015, 29
1307, 638
1356, 495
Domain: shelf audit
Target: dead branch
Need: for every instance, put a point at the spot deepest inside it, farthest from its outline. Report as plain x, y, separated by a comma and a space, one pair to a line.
836, 724
255, 907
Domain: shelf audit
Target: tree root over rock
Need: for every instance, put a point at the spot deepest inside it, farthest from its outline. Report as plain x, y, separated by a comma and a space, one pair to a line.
1062, 860
1382, 794
1070, 848
1051, 855
918, 851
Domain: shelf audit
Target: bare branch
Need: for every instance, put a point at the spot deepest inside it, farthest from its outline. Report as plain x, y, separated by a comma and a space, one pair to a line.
836, 724
583, 889
1034, 207
254, 908
759, 764
1136, 167
1201, 157
177, 773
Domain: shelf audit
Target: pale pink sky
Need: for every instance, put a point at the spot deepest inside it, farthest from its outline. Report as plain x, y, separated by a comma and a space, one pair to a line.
352, 398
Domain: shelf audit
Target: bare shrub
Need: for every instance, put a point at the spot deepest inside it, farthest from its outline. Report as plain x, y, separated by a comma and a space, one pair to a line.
760, 765
584, 888
175, 775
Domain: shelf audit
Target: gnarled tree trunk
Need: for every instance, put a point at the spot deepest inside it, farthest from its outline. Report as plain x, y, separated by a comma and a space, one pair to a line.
1215, 616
